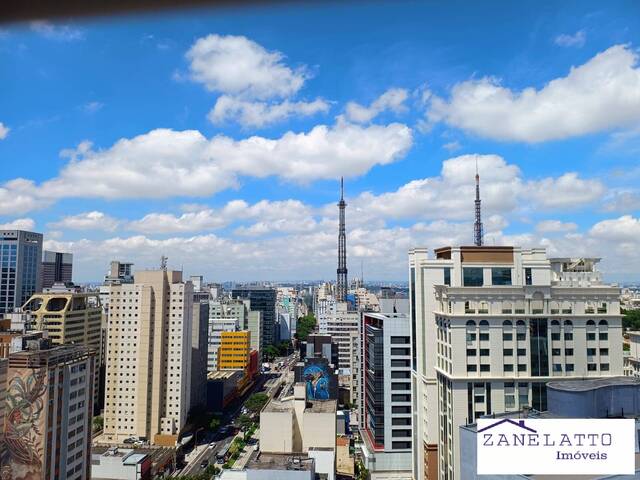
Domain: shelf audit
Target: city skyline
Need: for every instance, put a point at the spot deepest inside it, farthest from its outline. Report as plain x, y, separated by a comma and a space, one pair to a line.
220, 141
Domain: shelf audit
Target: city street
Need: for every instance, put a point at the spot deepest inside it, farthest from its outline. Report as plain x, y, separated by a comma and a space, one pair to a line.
269, 383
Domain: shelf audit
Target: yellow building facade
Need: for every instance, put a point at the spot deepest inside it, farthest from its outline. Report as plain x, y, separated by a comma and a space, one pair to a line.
234, 350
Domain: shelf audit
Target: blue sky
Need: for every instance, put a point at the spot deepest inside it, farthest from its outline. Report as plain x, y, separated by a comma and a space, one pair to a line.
217, 137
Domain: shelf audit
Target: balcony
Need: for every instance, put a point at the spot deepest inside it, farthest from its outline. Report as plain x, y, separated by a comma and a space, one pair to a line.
537, 311
519, 311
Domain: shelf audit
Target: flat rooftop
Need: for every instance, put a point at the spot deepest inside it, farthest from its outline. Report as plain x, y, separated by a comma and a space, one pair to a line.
593, 384
223, 374
315, 406
280, 461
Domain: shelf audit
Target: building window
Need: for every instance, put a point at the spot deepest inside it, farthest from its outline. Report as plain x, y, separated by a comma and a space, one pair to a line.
568, 352
568, 336
604, 351
591, 335
471, 352
568, 367
555, 336
555, 351
592, 367
508, 352
522, 367
528, 278
522, 352
508, 367
509, 401
501, 276
604, 367
472, 277
447, 276
603, 336
484, 352
484, 368
591, 351
484, 336
507, 337
472, 368
557, 367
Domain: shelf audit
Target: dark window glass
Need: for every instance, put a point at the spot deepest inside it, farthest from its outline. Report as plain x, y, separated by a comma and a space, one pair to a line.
522, 368
592, 367
447, 276
522, 352
401, 421
484, 368
471, 352
401, 409
521, 336
539, 347
568, 336
568, 367
399, 363
568, 352
484, 352
604, 367
398, 397
507, 337
591, 335
472, 368
528, 279
399, 340
591, 351
604, 336
508, 352
501, 276
555, 351
508, 367
472, 277
555, 336
399, 351
400, 374
604, 351
484, 336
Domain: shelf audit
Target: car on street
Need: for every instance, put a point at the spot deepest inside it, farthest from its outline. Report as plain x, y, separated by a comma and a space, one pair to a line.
204, 463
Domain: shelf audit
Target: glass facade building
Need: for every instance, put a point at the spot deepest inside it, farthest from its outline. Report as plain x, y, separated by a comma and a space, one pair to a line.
20, 257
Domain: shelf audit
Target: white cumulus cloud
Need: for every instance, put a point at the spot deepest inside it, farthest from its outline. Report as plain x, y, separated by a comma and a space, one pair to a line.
600, 95
259, 114
19, 224
54, 31
578, 39
552, 226
393, 100
4, 131
93, 220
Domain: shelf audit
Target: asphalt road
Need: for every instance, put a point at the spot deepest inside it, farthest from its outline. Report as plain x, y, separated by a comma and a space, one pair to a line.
232, 413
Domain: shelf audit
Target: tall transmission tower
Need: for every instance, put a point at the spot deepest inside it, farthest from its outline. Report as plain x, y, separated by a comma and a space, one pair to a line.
341, 284
478, 234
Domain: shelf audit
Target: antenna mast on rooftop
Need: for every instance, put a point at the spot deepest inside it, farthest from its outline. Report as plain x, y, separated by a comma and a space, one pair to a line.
478, 234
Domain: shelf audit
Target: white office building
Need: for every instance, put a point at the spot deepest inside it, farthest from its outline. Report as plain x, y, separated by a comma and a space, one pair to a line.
490, 327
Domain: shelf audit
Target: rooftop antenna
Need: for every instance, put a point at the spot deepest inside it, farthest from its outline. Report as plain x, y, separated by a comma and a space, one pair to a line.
478, 234
163, 263
341, 284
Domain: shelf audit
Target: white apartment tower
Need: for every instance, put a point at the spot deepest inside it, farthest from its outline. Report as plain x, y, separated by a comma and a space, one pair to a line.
148, 358
490, 327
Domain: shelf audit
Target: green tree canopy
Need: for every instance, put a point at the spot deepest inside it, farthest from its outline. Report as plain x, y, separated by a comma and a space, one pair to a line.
631, 319
305, 326
256, 401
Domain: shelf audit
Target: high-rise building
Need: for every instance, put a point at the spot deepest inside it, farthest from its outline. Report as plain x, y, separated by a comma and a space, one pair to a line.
340, 323
341, 283
263, 299
48, 417
216, 327
491, 326
199, 351
20, 256
71, 318
385, 419
234, 350
57, 267
149, 337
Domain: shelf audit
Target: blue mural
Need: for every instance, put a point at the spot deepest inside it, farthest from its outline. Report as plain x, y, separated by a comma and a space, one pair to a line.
317, 380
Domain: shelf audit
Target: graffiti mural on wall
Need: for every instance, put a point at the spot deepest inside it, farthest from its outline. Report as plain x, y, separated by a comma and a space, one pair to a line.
317, 380
24, 426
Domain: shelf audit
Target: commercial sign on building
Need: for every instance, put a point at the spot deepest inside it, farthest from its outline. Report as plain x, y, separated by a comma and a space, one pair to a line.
556, 446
